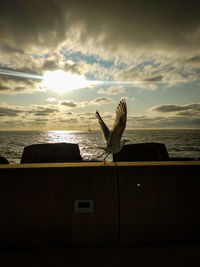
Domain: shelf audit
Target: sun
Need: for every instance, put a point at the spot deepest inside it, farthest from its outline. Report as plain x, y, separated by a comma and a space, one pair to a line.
61, 81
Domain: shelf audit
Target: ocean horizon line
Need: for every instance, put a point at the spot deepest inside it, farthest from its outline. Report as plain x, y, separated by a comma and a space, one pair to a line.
95, 129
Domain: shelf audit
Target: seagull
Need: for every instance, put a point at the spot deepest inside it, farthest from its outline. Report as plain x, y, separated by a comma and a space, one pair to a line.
112, 138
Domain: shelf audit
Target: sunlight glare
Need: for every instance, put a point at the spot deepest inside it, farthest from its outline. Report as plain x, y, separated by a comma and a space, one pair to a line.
61, 81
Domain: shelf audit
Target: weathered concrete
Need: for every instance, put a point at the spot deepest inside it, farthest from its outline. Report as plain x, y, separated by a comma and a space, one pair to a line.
133, 203
52, 152
159, 203
142, 152
37, 205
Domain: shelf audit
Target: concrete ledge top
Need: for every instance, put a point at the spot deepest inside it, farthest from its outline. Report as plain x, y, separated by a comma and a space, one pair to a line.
159, 163
99, 164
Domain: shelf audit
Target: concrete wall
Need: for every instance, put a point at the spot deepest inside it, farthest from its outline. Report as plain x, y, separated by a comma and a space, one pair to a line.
133, 203
159, 203
37, 206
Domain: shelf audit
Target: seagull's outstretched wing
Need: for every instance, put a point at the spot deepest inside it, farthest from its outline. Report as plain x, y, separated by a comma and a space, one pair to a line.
119, 124
104, 129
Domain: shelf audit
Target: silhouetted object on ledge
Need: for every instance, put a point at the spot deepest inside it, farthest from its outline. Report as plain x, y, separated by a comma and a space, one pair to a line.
3, 160
142, 152
51, 153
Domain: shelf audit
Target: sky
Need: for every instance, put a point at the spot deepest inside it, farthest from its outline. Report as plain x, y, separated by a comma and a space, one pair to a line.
60, 61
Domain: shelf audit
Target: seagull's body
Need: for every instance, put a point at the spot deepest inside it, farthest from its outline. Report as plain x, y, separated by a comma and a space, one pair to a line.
113, 138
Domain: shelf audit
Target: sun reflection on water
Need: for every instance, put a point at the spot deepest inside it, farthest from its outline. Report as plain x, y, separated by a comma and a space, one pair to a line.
62, 136
87, 142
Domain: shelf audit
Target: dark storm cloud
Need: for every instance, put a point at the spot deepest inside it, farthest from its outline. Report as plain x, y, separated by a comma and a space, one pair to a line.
110, 24
32, 22
142, 24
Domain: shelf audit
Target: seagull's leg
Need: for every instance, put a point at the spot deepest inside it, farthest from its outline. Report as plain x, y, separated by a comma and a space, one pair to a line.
105, 158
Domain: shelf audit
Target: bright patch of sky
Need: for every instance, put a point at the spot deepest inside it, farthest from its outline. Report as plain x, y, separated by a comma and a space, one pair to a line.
145, 51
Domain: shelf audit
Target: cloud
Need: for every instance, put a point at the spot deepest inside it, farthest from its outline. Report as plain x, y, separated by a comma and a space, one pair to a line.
193, 60
113, 90
148, 121
158, 70
53, 117
170, 116
69, 121
27, 117
101, 101
69, 103
3, 87
142, 75
10, 49
26, 24
41, 120
80, 67
127, 25
140, 24
15, 85
9, 112
82, 104
45, 111
50, 65
192, 109
154, 79
51, 35
51, 61
167, 108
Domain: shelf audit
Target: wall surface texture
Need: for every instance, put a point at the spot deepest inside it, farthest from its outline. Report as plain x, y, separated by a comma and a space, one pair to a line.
91, 204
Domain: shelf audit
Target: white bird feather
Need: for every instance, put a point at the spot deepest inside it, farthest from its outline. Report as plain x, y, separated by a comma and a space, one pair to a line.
113, 138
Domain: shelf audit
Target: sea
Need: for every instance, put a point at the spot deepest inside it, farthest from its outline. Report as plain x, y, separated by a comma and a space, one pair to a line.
179, 143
